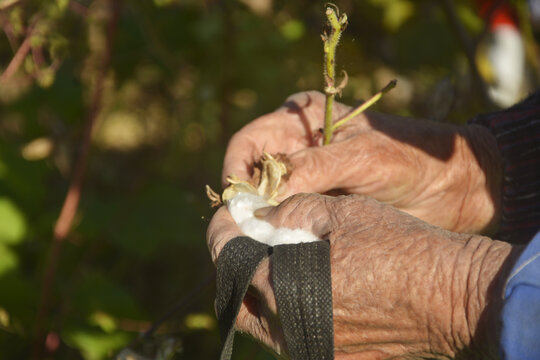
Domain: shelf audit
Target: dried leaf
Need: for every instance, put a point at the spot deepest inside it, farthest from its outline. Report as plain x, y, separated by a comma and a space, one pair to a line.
215, 199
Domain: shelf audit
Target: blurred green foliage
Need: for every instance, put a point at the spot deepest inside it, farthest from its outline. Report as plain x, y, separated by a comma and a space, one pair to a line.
185, 74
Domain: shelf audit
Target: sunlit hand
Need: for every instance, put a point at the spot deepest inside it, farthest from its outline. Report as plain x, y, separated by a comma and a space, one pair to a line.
258, 312
446, 175
399, 285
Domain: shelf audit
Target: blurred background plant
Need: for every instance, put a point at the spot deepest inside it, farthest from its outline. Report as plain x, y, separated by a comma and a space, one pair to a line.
94, 249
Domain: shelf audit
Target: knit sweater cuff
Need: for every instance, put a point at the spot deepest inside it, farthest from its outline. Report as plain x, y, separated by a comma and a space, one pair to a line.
517, 131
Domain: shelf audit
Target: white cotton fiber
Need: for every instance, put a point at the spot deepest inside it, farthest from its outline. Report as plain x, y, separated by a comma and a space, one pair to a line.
242, 207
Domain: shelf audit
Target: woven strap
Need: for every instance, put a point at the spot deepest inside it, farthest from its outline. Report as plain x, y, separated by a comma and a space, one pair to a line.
236, 266
301, 276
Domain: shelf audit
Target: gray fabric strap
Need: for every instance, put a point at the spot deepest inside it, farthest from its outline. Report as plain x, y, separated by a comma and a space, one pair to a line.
302, 283
301, 276
236, 266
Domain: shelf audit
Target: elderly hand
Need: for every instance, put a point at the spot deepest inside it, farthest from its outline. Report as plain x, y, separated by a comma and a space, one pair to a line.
399, 285
446, 175
258, 312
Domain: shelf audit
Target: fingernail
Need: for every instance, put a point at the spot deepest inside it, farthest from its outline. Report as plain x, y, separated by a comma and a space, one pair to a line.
262, 212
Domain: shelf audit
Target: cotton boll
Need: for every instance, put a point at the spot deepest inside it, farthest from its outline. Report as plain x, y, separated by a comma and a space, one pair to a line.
242, 207
259, 230
291, 236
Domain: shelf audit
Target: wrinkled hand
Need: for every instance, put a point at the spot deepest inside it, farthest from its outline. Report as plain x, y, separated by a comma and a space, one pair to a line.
399, 285
258, 312
446, 175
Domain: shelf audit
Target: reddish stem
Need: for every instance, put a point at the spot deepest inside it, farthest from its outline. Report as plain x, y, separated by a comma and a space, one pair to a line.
71, 202
8, 30
17, 60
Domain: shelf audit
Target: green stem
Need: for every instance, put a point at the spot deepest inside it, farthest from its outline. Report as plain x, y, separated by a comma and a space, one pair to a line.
337, 25
361, 108
328, 130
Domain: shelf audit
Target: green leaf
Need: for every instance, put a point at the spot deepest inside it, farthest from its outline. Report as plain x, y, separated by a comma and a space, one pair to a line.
12, 222
200, 321
8, 259
105, 321
19, 295
98, 294
58, 46
292, 30
396, 12
37, 40
470, 19
95, 345
46, 78
62, 4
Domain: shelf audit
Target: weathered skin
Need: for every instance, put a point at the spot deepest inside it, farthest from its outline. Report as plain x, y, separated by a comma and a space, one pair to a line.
446, 175
400, 286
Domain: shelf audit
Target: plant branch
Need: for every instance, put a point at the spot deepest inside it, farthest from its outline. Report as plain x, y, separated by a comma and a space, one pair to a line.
71, 202
17, 59
21, 52
8, 30
38, 57
366, 104
337, 25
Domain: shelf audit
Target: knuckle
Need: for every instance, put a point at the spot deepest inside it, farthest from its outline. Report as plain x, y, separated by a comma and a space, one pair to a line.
302, 95
298, 209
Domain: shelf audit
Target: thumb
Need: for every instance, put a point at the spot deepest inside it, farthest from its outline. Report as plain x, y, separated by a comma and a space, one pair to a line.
309, 212
221, 229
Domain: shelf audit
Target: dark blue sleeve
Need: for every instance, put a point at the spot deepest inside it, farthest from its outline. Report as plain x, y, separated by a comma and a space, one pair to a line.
517, 132
520, 334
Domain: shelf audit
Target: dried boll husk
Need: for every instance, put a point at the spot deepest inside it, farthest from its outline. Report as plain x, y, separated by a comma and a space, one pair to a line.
271, 174
243, 199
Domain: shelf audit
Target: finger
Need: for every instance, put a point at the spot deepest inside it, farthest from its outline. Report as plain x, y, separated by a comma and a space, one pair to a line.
315, 169
287, 130
240, 156
261, 213
283, 131
364, 164
310, 107
221, 230
309, 212
261, 325
324, 168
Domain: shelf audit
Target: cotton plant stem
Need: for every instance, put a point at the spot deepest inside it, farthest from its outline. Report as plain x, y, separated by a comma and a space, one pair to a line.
328, 119
361, 108
337, 25
7, 26
17, 60
22, 51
